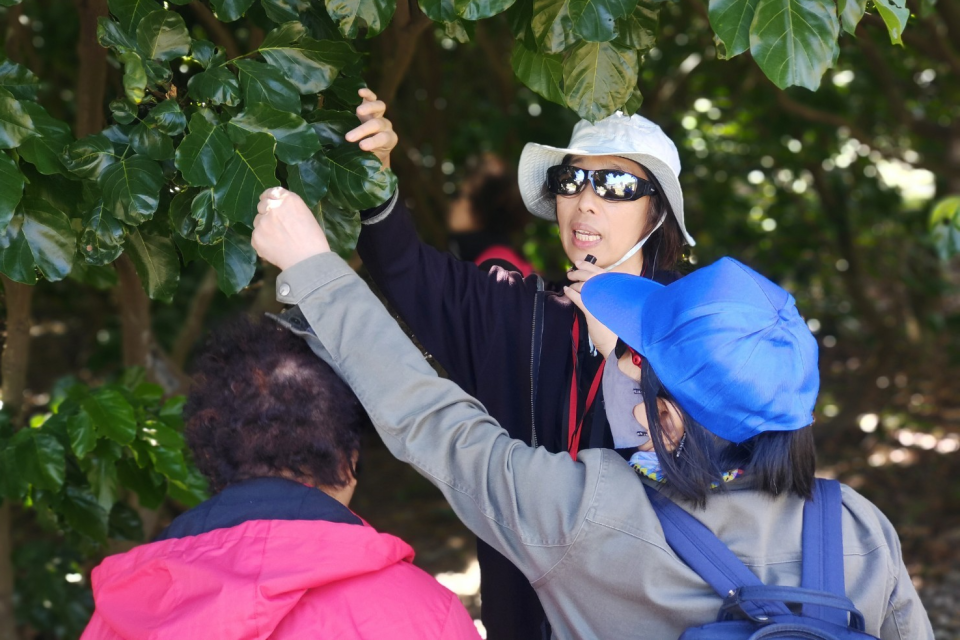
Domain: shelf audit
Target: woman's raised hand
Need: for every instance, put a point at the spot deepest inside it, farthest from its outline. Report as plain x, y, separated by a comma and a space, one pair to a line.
285, 230
375, 133
603, 339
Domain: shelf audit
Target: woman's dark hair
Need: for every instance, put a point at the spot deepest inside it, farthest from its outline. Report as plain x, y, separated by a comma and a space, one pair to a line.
664, 249
776, 461
263, 404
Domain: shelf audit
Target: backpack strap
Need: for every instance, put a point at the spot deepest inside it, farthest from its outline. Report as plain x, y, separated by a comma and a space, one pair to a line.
823, 548
536, 346
712, 560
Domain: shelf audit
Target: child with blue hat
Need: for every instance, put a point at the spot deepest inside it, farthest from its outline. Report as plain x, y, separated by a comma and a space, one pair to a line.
727, 371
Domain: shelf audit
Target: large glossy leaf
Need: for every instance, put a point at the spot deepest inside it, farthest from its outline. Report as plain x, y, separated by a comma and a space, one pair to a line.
216, 86
358, 180
851, 12
639, 29
16, 259
167, 118
45, 151
101, 239
131, 189
208, 226
331, 126
372, 15
296, 140
206, 53
111, 35
731, 20
151, 488
83, 435
111, 415
309, 64
596, 20
156, 262
264, 84
134, 77
89, 157
310, 179
252, 169
38, 237
234, 259
130, 13
151, 142
83, 513
204, 152
16, 125
553, 25
40, 458
191, 491
895, 16
341, 227
795, 41
162, 35
439, 10
598, 78
125, 523
542, 73
18, 80
281, 11
11, 189
230, 10
101, 470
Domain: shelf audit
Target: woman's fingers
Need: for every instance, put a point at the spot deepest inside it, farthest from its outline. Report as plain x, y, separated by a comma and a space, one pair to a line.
385, 141
369, 128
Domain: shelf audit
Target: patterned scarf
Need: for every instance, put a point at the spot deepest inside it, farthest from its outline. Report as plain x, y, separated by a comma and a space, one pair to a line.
646, 463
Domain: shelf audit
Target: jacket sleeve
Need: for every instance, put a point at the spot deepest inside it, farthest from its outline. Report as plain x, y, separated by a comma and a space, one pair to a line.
906, 618
452, 307
527, 503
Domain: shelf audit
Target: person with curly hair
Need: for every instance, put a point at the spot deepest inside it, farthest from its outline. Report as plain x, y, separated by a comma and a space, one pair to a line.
276, 552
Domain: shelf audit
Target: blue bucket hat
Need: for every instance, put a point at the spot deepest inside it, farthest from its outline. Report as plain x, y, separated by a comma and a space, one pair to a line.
727, 343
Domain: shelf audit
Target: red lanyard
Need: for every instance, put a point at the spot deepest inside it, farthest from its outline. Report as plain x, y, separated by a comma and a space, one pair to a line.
575, 427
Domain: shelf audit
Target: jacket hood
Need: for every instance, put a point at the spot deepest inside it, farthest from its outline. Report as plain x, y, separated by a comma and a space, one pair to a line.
241, 581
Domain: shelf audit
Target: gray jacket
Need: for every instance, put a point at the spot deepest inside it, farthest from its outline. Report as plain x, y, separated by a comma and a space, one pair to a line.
583, 532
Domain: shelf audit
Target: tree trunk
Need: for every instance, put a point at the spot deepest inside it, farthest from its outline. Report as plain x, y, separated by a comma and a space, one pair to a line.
13, 368
92, 72
134, 314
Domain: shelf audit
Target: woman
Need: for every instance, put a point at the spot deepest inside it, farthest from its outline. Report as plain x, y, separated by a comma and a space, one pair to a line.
276, 552
728, 373
533, 358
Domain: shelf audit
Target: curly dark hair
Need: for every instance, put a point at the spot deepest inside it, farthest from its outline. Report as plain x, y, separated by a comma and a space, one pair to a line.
263, 404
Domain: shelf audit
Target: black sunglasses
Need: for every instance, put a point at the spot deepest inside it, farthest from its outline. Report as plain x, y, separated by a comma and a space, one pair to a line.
609, 184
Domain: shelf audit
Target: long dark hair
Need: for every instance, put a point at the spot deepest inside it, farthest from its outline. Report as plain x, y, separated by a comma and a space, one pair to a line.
776, 461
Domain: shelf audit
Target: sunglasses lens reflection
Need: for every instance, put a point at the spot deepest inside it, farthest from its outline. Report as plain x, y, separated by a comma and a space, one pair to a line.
615, 185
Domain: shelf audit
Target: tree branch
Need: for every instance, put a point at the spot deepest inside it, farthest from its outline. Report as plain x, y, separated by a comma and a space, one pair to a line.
219, 33
92, 72
398, 44
193, 324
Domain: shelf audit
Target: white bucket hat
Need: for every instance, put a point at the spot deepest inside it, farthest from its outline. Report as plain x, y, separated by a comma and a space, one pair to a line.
632, 137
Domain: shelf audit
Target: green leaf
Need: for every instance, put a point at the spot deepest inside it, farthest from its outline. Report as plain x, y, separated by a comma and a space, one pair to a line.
38, 237
101, 239
595, 20
252, 169
191, 491
639, 29
45, 151
83, 513
89, 157
332, 126
731, 20
341, 227
851, 12
372, 15
83, 436
167, 118
150, 487
162, 35
795, 41
633, 103
12, 483
40, 458
439, 10
205, 53
895, 17
151, 142
158, 434
169, 462
230, 10
343, 94
18, 80
16, 259
309, 64
310, 179
171, 413
130, 13
123, 111
156, 262
112, 36
542, 73
11, 189
158, 74
131, 189
216, 86
234, 259
553, 25
101, 470
296, 140
945, 227
263, 84
358, 180
209, 226
598, 78
204, 152
125, 523
134, 77
281, 11
111, 415
16, 125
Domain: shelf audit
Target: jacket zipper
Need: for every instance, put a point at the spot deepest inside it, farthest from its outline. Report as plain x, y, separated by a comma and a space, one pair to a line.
533, 348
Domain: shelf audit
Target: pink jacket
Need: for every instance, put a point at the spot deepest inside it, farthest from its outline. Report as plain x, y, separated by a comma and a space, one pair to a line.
274, 579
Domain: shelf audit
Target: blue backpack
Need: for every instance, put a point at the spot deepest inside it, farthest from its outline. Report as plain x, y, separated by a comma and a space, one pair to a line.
816, 610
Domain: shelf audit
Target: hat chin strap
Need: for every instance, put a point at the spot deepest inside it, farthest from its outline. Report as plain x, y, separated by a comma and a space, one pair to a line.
633, 250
